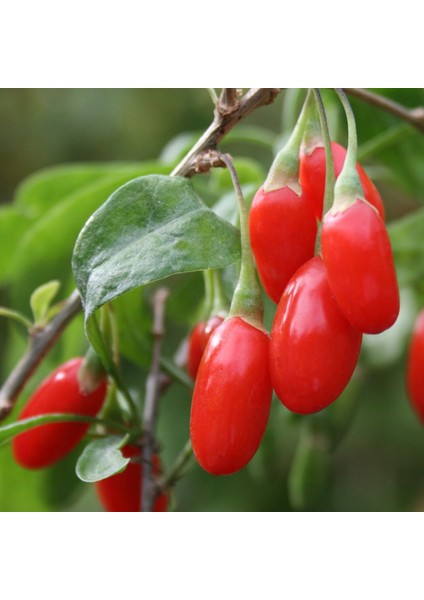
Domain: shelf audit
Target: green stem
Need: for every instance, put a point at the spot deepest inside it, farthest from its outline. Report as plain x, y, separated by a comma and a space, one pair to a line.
178, 468
284, 171
177, 374
329, 162
7, 432
247, 298
348, 185
209, 292
220, 301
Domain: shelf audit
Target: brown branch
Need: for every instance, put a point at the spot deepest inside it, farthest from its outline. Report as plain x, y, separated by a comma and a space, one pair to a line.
413, 116
228, 101
153, 389
40, 342
223, 122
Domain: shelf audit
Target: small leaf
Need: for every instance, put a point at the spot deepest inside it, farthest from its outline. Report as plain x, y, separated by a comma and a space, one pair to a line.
41, 299
101, 459
149, 229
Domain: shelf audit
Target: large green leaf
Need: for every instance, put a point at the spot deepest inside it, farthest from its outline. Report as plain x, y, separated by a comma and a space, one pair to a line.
101, 459
149, 229
45, 251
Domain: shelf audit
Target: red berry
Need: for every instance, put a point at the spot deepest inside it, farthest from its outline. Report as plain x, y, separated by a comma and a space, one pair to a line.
59, 393
312, 177
314, 349
415, 367
358, 257
198, 339
232, 397
122, 492
283, 230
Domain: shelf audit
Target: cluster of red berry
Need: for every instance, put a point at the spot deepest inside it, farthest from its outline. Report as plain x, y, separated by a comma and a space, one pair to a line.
329, 292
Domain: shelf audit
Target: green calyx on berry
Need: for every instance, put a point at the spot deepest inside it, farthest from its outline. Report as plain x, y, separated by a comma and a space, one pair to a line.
92, 373
284, 171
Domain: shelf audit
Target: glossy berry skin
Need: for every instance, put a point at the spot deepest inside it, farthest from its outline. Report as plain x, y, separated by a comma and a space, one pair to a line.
358, 257
232, 397
415, 368
198, 339
312, 177
283, 230
122, 492
314, 349
59, 393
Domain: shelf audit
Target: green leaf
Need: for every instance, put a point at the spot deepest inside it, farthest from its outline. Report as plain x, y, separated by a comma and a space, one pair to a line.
13, 225
41, 299
149, 229
101, 459
42, 190
406, 237
45, 251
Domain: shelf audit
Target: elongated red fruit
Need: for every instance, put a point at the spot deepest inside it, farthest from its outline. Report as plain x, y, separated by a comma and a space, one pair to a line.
314, 349
358, 257
122, 492
198, 339
312, 177
415, 368
59, 393
283, 230
232, 397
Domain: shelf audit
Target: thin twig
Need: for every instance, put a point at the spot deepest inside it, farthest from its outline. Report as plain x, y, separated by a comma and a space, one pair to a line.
41, 340
153, 385
177, 469
228, 101
414, 116
222, 124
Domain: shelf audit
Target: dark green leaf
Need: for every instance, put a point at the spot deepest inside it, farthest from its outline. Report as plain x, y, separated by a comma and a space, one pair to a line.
149, 229
101, 459
35, 261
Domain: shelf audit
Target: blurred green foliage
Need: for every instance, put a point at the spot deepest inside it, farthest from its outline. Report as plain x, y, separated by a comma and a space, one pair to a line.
374, 445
